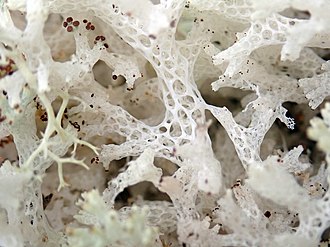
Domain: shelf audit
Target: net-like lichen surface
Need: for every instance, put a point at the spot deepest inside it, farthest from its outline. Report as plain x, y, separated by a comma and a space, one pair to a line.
164, 123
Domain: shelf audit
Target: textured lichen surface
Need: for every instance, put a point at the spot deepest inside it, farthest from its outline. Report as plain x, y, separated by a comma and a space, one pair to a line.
164, 123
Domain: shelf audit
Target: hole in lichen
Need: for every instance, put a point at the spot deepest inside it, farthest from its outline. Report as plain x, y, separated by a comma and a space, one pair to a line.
295, 13
123, 198
326, 234
273, 140
144, 104
302, 115
179, 87
324, 53
182, 115
18, 18
168, 167
8, 149
103, 75
145, 41
187, 102
175, 130
228, 97
146, 190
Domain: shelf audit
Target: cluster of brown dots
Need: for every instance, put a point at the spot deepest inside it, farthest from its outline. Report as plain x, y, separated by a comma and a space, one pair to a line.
95, 160
44, 117
102, 39
89, 25
70, 24
7, 69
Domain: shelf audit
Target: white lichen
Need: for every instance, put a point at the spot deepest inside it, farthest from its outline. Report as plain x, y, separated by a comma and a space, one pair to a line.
189, 117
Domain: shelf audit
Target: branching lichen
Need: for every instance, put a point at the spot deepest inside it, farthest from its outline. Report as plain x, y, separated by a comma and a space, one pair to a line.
190, 117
